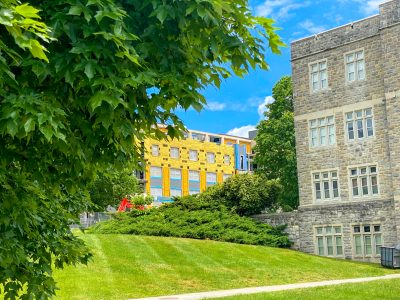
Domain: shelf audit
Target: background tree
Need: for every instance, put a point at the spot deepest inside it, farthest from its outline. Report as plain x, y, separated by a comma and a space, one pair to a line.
276, 145
113, 70
109, 188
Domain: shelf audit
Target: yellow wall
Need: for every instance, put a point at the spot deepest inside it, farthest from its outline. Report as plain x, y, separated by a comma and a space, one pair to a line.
166, 162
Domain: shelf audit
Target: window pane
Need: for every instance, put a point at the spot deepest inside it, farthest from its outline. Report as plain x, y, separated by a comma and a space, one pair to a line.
313, 123
378, 244
357, 243
349, 116
364, 185
367, 228
339, 247
370, 130
373, 170
316, 176
335, 188
368, 112
367, 245
353, 172
350, 130
326, 190
329, 243
350, 72
338, 229
360, 129
317, 190
360, 70
319, 230
357, 229
350, 57
377, 228
374, 185
320, 242
331, 130
355, 186
328, 230
322, 134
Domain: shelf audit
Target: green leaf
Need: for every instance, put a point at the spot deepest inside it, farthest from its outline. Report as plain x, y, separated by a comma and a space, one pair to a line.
90, 69
27, 11
37, 50
47, 132
75, 10
29, 125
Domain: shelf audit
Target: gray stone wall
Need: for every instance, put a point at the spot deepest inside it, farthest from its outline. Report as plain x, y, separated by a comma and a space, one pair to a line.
379, 38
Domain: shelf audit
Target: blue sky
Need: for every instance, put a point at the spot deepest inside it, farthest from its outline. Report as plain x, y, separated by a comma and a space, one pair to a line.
238, 105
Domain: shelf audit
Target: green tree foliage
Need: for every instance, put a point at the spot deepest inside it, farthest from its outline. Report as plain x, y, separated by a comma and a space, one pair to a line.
244, 194
110, 187
197, 218
276, 146
113, 70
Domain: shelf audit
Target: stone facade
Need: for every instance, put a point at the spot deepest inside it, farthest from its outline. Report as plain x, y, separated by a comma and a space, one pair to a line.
374, 93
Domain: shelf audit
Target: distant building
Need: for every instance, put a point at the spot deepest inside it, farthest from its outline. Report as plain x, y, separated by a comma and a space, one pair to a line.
189, 166
346, 85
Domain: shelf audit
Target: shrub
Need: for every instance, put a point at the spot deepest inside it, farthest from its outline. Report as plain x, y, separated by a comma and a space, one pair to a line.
245, 194
193, 217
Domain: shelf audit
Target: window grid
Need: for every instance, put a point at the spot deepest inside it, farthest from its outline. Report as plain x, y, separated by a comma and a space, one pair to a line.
329, 241
194, 175
211, 157
367, 239
193, 155
326, 185
174, 152
355, 66
155, 150
227, 160
364, 181
155, 172
211, 178
319, 76
322, 132
360, 124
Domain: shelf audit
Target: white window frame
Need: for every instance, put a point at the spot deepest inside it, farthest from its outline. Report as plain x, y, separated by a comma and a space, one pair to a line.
175, 193
155, 192
322, 132
356, 59
318, 74
155, 172
155, 150
375, 236
193, 155
211, 157
326, 180
194, 175
209, 175
366, 176
174, 152
227, 159
326, 233
175, 174
361, 121
226, 176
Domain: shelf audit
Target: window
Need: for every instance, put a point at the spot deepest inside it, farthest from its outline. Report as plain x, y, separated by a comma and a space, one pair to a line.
155, 172
211, 178
194, 176
175, 192
175, 176
360, 124
329, 241
155, 150
226, 176
355, 66
241, 162
193, 155
211, 157
367, 240
155, 192
319, 76
326, 185
174, 152
227, 160
322, 132
364, 181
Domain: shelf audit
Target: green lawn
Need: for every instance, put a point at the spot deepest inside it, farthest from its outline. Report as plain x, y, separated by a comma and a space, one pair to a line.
382, 289
127, 266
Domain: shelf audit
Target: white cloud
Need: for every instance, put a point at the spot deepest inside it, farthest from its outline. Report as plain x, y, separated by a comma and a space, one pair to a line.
370, 7
310, 27
262, 108
215, 106
279, 9
242, 131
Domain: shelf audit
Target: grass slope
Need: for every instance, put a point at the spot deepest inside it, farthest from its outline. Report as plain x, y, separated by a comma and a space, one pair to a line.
382, 289
127, 266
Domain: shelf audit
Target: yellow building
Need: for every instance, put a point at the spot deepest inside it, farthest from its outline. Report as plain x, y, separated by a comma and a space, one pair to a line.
190, 165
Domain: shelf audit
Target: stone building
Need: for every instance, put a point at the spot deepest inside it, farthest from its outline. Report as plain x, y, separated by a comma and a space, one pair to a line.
346, 84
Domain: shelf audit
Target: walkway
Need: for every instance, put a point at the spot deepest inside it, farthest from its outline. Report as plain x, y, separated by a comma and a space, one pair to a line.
267, 289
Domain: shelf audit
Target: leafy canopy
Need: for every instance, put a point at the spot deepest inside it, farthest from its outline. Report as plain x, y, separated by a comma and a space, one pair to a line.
275, 143
98, 76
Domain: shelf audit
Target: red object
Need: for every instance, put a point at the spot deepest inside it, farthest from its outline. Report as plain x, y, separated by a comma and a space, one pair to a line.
124, 205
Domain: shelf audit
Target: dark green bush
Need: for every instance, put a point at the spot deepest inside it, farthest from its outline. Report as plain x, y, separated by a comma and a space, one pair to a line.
245, 194
191, 217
